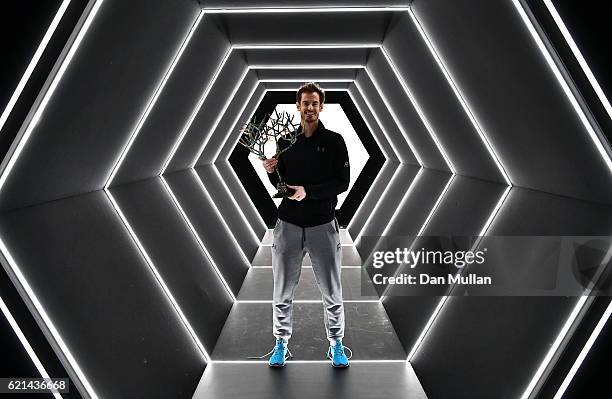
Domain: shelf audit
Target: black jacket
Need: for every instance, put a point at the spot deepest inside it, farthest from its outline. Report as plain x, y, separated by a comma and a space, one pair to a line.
320, 163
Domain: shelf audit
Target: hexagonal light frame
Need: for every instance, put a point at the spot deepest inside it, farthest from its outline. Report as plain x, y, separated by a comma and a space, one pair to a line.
91, 11
264, 183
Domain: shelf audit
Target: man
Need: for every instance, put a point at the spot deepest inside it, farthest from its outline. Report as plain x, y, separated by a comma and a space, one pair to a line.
317, 168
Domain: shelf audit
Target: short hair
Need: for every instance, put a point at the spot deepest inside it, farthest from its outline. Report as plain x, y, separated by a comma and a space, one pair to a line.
310, 87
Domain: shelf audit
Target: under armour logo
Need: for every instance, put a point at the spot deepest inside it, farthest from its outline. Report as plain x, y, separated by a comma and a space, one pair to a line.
321, 149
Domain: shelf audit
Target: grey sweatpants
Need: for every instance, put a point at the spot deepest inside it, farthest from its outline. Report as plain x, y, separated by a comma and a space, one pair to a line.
322, 242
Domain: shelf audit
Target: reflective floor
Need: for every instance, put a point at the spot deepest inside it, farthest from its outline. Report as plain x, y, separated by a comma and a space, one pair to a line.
378, 367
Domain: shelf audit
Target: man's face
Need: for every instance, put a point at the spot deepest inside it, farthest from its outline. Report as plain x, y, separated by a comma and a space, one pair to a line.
309, 107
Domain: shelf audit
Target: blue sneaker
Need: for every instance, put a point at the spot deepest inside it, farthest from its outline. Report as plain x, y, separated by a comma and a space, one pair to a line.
280, 354
337, 356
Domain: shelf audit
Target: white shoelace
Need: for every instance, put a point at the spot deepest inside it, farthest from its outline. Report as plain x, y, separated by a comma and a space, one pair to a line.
343, 348
287, 356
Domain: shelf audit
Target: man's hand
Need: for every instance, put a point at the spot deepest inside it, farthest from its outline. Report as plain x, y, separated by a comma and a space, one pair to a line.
269, 164
300, 193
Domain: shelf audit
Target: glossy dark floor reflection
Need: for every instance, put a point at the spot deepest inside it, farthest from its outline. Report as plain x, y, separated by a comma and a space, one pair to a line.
310, 380
248, 332
378, 368
248, 329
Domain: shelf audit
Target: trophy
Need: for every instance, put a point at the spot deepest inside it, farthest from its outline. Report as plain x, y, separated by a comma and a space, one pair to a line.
277, 128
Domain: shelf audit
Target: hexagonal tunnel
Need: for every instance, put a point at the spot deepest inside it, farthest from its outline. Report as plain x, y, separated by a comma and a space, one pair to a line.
135, 231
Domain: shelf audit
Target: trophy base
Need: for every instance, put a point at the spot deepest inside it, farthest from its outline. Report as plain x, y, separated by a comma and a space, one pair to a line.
283, 191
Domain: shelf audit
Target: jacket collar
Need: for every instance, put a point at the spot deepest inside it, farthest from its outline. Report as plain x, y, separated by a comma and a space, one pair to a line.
320, 128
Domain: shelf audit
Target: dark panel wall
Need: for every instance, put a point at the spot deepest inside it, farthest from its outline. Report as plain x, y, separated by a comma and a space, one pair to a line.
405, 114
248, 240
383, 117
98, 102
437, 100
24, 25
177, 256
591, 378
102, 297
380, 216
209, 226
587, 23
505, 338
463, 211
220, 133
516, 98
366, 113
213, 107
306, 74
15, 359
324, 28
336, 56
27, 25
191, 77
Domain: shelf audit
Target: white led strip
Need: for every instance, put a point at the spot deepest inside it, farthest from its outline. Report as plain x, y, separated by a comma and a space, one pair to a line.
232, 169
425, 223
584, 352
400, 127
306, 361
227, 229
22, 139
373, 133
379, 123
583, 64
564, 85
460, 98
287, 80
574, 318
390, 185
242, 110
308, 301
307, 46
443, 300
82, 380
52, 88
195, 111
26, 345
197, 237
233, 199
202, 99
237, 180
152, 102
297, 80
321, 66
419, 111
207, 139
235, 123
158, 277
378, 175
272, 10
395, 174
33, 62
376, 138
220, 117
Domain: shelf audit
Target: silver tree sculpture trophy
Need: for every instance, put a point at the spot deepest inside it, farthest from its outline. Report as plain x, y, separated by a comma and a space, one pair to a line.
278, 128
